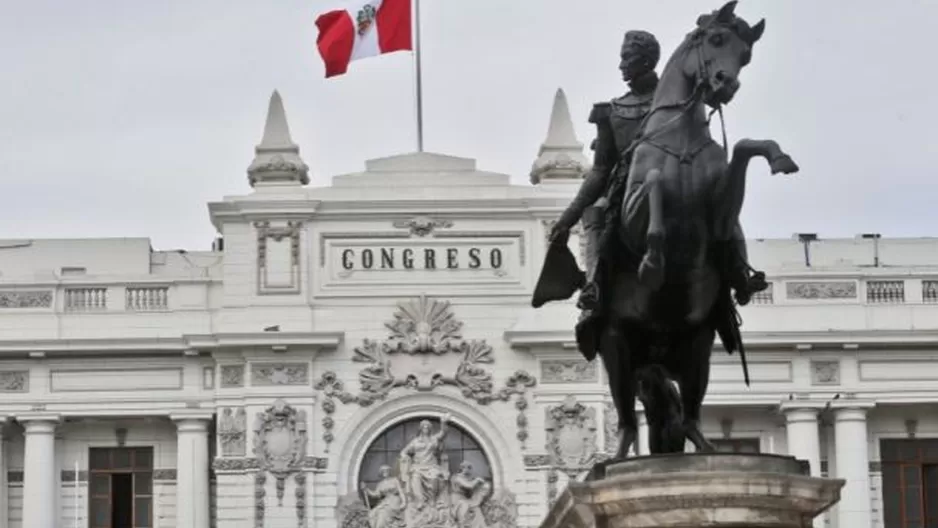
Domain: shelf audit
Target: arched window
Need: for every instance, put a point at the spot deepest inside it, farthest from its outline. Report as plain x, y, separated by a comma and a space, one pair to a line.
386, 450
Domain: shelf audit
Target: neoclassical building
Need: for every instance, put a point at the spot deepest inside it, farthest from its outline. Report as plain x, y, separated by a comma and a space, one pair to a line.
344, 347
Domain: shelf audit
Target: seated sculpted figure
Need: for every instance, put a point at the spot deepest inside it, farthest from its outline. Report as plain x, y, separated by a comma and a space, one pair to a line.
468, 495
386, 501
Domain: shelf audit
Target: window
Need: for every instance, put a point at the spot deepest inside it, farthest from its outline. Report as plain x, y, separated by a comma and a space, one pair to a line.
736, 445
121, 487
457, 446
910, 483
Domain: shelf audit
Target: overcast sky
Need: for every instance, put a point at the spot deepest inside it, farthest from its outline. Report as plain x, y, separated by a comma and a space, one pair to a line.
124, 118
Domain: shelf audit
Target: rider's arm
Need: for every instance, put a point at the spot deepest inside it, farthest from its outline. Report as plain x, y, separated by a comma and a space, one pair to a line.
604, 159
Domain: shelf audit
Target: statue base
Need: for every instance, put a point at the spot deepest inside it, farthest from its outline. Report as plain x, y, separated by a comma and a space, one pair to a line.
696, 491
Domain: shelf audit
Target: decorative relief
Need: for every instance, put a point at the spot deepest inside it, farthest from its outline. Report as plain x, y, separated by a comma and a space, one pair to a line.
536, 461
424, 350
280, 442
610, 428
422, 226
235, 464
821, 290
14, 381
26, 299
267, 374
571, 436
260, 494
232, 376
300, 479
568, 371
825, 372
424, 494
232, 431
266, 232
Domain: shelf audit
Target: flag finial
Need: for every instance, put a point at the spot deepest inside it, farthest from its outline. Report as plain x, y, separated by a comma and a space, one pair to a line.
277, 158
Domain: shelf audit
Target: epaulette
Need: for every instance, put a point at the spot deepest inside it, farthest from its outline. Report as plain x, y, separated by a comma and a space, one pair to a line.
600, 112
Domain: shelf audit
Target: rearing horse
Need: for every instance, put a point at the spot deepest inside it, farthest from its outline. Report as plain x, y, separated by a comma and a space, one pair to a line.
680, 250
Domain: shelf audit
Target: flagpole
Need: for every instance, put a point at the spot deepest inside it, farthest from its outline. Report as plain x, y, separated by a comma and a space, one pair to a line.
419, 79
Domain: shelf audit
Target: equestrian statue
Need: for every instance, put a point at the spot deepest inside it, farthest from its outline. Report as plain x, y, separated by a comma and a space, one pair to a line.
666, 257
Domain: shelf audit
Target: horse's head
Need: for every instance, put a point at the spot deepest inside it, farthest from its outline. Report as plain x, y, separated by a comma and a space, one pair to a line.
717, 51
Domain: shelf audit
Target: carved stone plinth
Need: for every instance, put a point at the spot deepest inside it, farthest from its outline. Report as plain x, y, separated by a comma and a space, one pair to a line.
696, 491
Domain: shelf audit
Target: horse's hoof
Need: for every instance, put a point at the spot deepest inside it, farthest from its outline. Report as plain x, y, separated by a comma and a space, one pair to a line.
783, 164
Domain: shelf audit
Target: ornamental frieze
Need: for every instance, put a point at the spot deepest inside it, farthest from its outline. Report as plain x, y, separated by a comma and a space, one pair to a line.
424, 350
26, 299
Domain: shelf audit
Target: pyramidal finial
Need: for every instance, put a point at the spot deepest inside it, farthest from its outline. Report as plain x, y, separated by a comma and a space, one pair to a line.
561, 155
560, 132
277, 158
276, 130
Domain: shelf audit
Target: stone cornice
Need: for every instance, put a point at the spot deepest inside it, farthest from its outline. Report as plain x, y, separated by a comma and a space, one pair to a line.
837, 339
180, 344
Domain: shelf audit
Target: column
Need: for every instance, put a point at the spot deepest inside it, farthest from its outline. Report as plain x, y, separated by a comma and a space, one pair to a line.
853, 463
39, 467
192, 468
642, 447
804, 441
4, 487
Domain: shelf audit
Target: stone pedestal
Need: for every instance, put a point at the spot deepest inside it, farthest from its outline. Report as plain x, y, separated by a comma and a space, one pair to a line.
696, 491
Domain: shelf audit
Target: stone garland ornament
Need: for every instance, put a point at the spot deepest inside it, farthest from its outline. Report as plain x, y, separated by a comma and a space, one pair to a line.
26, 299
421, 226
425, 344
571, 442
232, 376
280, 447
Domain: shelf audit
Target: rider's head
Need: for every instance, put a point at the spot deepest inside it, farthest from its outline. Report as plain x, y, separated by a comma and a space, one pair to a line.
465, 467
639, 54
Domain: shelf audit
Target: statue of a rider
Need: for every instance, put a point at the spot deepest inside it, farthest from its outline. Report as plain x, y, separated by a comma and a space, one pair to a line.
598, 202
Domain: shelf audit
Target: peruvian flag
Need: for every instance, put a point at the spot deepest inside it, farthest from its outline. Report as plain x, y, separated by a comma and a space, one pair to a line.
363, 28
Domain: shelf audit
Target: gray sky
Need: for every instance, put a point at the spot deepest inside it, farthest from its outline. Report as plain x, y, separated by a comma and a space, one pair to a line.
123, 118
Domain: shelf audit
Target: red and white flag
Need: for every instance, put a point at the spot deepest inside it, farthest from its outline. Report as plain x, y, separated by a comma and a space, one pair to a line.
363, 28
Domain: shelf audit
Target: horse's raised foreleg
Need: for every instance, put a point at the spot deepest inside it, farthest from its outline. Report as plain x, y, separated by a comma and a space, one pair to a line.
730, 194
617, 360
693, 378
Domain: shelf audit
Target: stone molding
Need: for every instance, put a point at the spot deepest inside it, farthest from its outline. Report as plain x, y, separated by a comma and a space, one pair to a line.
267, 232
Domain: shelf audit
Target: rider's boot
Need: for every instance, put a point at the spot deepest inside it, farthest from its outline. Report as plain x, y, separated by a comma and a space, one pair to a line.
744, 284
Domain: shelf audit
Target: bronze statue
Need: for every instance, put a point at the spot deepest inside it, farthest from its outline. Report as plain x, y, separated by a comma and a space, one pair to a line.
674, 257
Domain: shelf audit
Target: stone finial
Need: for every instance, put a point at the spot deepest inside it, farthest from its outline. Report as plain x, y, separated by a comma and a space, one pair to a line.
561, 155
277, 158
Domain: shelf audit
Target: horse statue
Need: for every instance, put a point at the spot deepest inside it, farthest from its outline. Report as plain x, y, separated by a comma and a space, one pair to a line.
676, 264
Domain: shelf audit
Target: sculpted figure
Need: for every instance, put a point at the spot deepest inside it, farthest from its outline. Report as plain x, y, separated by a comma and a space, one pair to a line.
468, 495
386, 502
673, 259
422, 468
618, 122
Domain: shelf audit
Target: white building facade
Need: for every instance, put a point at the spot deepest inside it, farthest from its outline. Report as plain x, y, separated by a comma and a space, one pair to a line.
263, 383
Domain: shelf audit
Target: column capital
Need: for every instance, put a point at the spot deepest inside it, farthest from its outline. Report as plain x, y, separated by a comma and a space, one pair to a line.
192, 421
851, 411
39, 423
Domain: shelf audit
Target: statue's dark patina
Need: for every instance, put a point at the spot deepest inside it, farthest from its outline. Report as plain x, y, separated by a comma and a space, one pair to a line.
667, 260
